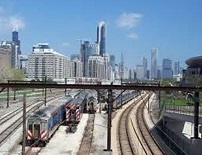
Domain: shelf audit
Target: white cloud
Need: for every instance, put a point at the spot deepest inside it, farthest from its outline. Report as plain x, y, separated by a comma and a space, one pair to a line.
132, 36
65, 44
16, 22
10, 21
129, 20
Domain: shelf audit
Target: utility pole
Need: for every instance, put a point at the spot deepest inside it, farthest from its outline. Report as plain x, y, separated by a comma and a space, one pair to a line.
196, 114
45, 91
14, 94
7, 96
122, 66
159, 84
24, 125
65, 88
110, 103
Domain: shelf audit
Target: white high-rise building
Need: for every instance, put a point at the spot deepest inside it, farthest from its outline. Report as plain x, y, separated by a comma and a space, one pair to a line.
44, 61
76, 68
96, 67
139, 72
106, 65
154, 63
176, 68
145, 67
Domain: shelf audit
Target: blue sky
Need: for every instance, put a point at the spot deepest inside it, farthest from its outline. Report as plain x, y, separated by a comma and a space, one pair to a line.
133, 27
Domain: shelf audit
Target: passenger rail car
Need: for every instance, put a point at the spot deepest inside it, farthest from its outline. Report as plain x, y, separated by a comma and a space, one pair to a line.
124, 98
43, 123
92, 104
74, 110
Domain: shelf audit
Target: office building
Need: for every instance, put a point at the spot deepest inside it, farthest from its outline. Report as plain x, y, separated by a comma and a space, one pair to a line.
112, 62
87, 49
167, 68
154, 63
176, 68
76, 68
139, 72
8, 54
5, 56
101, 38
107, 66
145, 67
96, 67
16, 51
23, 62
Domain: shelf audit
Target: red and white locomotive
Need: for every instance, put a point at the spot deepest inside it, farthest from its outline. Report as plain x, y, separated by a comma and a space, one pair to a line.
74, 110
92, 105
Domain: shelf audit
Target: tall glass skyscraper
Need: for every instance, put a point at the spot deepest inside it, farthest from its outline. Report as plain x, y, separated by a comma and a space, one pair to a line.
16, 41
154, 63
87, 49
144, 61
101, 37
167, 71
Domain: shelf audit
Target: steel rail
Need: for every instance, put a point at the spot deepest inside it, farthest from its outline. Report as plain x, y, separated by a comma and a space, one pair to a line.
146, 136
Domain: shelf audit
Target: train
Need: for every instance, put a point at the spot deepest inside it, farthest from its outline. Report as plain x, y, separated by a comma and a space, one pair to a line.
74, 109
124, 98
92, 104
42, 124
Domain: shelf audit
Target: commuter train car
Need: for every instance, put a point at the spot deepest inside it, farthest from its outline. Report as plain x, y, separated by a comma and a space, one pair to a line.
74, 110
43, 123
124, 98
92, 104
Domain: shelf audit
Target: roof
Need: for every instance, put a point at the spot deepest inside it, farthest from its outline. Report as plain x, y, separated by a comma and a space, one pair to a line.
195, 62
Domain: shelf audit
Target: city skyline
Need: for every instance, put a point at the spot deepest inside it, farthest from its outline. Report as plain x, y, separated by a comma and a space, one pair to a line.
133, 28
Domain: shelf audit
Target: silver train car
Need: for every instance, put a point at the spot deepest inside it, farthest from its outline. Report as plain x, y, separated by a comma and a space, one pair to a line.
44, 122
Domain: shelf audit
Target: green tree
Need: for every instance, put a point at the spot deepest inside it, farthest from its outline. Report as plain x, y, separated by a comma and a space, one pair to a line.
17, 74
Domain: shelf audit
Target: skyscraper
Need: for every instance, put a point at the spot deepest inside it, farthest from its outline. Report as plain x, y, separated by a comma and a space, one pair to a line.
112, 62
101, 37
145, 67
154, 63
16, 41
167, 68
87, 49
96, 67
176, 67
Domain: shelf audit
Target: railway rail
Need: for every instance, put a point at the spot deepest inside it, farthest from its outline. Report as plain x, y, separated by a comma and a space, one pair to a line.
147, 141
85, 146
125, 141
127, 129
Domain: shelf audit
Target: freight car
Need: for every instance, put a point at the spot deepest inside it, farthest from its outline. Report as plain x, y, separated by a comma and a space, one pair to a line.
42, 124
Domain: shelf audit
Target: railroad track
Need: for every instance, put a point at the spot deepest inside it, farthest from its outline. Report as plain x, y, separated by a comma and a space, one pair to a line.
127, 129
126, 145
85, 146
144, 136
15, 112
